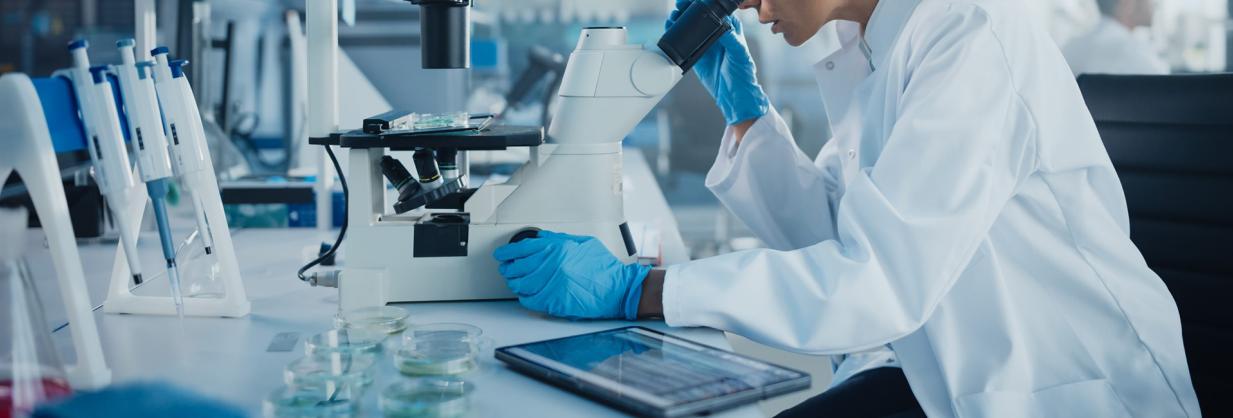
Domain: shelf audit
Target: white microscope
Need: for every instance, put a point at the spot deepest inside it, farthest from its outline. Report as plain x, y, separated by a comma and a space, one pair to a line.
571, 184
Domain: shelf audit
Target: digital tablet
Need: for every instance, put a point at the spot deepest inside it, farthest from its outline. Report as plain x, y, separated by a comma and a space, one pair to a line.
650, 373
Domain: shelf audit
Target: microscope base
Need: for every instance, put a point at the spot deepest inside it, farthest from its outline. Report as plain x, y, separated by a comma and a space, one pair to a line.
374, 275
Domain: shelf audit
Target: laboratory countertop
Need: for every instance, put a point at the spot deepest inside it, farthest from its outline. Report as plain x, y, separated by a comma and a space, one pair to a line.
228, 359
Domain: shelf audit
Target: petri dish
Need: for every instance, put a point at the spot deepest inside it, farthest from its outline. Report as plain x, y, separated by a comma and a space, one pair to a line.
431, 397
350, 340
331, 370
310, 402
439, 120
439, 349
387, 319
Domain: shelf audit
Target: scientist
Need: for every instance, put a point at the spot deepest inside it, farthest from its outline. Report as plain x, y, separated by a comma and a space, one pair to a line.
965, 213
1110, 47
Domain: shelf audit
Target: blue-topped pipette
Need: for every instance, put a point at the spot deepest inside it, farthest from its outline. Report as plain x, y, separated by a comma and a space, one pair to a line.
149, 144
184, 129
105, 142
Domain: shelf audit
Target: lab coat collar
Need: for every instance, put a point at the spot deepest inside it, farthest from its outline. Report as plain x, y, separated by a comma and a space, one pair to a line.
887, 22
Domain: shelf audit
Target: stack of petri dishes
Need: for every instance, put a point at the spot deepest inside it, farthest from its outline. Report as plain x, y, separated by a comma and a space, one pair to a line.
434, 354
338, 366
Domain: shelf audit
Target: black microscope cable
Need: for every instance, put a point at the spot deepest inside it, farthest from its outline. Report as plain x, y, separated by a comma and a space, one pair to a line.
342, 232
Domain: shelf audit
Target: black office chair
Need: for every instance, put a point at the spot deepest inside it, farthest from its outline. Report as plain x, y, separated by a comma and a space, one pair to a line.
1171, 141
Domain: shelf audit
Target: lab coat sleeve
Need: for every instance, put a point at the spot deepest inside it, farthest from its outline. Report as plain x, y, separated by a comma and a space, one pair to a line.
906, 227
771, 186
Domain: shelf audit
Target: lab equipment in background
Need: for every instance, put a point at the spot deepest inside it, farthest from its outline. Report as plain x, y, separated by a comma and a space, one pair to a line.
192, 164
439, 349
30, 368
27, 143
573, 184
542, 63
150, 148
437, 397
387, 319
274, 202
105, 143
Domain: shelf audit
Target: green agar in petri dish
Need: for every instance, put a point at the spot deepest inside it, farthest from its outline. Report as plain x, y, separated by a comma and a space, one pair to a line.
439, 349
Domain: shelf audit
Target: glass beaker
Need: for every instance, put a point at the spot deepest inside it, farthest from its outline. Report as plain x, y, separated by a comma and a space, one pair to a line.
30, 369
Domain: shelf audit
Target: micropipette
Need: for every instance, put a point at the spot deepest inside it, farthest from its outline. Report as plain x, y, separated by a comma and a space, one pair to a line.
184, 128
105, 142
149, 145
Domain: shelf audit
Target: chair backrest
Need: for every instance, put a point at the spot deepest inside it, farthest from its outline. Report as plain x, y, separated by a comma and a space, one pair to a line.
1171, 141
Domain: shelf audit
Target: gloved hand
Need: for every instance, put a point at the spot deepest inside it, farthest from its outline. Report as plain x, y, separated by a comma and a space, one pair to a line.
728, 73
572, 277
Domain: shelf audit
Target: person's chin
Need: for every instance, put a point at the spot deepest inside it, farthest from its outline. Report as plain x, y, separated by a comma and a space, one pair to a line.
794, 40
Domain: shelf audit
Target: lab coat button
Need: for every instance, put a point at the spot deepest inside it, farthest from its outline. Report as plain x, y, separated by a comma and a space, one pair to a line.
830, 65
851, 154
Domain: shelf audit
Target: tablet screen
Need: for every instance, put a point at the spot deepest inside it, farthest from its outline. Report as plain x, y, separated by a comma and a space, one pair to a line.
654, 368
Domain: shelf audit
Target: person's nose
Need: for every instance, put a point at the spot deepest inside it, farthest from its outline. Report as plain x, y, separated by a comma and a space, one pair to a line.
764, 13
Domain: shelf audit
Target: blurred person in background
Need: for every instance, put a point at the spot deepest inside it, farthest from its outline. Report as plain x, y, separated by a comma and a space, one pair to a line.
1111, 46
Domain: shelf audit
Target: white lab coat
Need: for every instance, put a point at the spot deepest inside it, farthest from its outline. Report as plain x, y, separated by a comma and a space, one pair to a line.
1110, 48
973, 220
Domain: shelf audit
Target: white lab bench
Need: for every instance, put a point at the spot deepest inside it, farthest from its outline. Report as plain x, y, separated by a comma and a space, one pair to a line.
227, 359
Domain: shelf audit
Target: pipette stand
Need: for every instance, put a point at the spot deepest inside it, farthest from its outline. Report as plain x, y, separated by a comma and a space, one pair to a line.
26, 140
234, 302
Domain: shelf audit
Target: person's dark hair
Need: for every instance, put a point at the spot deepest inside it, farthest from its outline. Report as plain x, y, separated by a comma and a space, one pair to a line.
1107, 7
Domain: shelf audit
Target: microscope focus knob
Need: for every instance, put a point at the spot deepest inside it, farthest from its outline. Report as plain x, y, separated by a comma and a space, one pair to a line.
531, 232
653, 75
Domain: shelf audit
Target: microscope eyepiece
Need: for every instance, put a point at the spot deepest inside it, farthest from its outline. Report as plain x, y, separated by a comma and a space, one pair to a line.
699, 27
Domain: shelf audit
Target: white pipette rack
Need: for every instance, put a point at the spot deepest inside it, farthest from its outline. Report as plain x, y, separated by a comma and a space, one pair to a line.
26, 141
185, 131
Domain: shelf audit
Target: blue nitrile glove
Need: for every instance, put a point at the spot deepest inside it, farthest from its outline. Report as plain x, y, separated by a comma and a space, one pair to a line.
138, 400
572, 277
728, 73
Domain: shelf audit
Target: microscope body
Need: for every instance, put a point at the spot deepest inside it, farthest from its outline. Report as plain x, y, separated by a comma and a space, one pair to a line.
572, 184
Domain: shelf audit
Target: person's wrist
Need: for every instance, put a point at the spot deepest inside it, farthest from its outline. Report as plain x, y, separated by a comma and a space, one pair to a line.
651, 301
633, 296
750, 104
